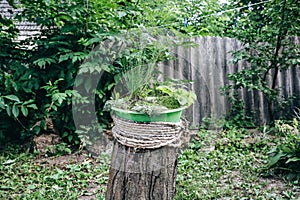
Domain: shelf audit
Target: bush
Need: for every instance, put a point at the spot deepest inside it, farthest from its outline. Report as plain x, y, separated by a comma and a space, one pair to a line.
37, 75
285, 157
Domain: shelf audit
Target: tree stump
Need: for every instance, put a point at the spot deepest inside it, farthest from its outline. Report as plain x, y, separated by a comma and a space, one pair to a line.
143, 174
144, 159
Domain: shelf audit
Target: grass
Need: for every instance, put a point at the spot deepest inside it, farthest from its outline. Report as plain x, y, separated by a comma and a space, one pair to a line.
23, 176
230, 165
216, 165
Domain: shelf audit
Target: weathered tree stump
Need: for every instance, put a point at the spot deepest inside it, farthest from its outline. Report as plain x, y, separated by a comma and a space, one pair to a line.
144, 159
142, 174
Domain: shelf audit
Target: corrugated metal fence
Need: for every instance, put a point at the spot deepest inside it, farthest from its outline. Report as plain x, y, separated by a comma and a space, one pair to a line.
208, 65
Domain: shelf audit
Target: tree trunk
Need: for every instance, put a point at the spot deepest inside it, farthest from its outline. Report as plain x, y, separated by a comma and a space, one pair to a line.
142, 174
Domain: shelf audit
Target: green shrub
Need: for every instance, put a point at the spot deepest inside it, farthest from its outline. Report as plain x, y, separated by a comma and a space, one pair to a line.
37, 75
285, 157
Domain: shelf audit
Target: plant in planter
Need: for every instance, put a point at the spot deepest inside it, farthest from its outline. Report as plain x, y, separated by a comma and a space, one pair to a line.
141, 95
150, 100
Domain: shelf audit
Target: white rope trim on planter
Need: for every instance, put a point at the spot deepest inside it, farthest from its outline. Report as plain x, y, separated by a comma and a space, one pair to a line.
150, 135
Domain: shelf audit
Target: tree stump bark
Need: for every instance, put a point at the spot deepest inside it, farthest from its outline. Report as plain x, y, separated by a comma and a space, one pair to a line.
142, 174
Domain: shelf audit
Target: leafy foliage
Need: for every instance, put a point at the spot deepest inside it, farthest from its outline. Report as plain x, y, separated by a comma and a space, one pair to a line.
284, 158
25, 177
154, 97
38, 74
228, 164
215, 165
237, 117
266, 30
205, 17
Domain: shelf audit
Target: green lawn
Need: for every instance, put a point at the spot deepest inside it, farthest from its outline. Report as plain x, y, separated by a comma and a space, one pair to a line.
216, 165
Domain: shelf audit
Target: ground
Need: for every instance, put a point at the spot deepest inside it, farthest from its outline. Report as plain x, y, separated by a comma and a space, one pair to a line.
215, 165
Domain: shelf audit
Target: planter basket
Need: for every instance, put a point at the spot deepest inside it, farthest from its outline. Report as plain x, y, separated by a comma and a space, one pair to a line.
150, 135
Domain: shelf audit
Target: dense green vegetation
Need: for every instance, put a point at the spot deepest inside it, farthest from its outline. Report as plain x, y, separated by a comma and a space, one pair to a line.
231, 165
266, 30
37, 77
66, 177
37, 83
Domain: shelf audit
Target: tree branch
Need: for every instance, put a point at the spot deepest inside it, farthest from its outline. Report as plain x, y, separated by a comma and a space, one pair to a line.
274, 64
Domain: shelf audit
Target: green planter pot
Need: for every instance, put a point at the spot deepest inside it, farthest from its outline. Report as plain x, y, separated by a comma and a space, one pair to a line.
166, 116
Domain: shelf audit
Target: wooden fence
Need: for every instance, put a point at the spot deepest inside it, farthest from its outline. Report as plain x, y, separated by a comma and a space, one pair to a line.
208, 65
